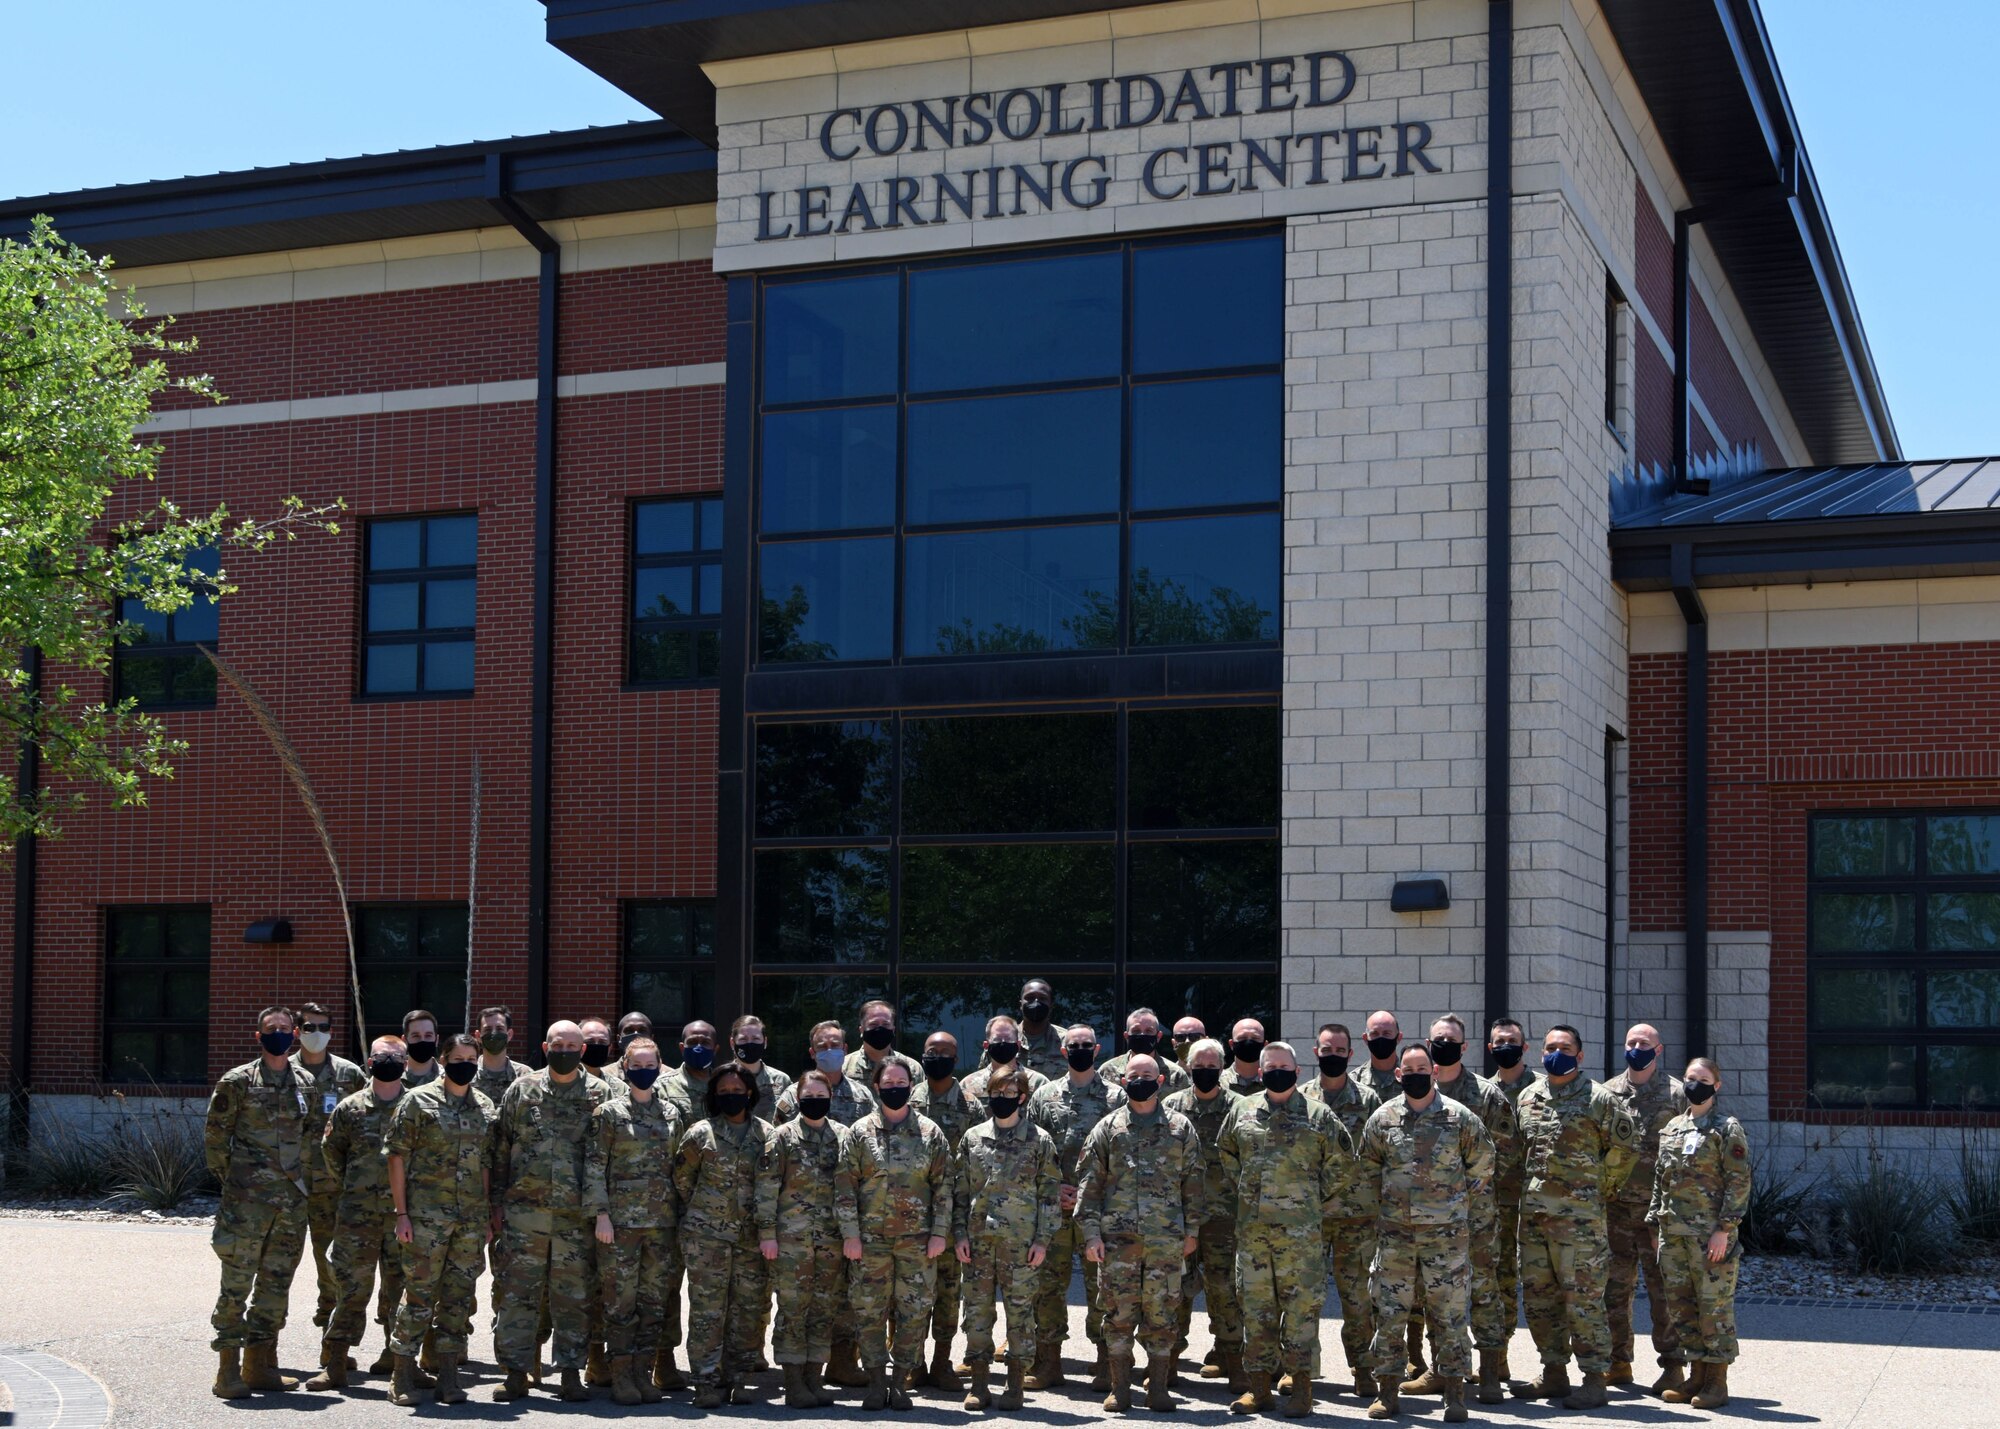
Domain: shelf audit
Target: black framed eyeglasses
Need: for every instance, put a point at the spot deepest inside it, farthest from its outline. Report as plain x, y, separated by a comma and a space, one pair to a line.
315, 1027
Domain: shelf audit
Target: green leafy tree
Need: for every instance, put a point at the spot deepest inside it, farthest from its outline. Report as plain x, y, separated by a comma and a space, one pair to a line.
78, 374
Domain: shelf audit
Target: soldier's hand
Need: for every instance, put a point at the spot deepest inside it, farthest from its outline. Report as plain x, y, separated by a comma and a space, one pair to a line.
934, 1247
1718, 1247
605, 1235
851, 1247
1036, 1255
1066, 1198
494, 1232
768, 1249
964, 1252
403, 1231
1189, 1245
1093, 1251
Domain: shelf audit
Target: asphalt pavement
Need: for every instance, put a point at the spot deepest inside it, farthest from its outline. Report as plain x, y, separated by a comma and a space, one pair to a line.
113, 1316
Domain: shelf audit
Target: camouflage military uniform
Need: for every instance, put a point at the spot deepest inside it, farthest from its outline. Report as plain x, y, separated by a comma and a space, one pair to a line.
858, 1067
325, 1086
1578, 1145
893, 1191
1492, 1322
728, 1283
1238, 1085
1349, 1230
771, 1084
955, 1111
493, 1084
1006, 1180
1141, 1192
1215, 1251
1041, 1053
364, 1219
1653, 1103
1507, 1180
412, 1078
795, 1208
545, 1236
1069, 1113
975, 1083
1385, 1082
254, 1143
1701, 1185
1173, 1076
1285, 1160
1430, 1168
851, 1102
446, 1143
628, 1175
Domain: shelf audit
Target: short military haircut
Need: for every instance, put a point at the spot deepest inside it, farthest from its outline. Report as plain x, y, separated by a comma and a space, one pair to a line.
456, 1042
748, 1019
716, 1079
314, 1008
505, 1014
1454, 1020
1004, 1077
1415, 1049
1506, 1024
1574, 1035
586, 1023
270, 1012
998, 1018
387, 1042
832, 1023
1708, 1065
639, 1017
1138, 1012
883, 1067
1338, 1029
416, 1015
640, 1044
876, 1004
1208, 1044
1279, 1046
814, 1074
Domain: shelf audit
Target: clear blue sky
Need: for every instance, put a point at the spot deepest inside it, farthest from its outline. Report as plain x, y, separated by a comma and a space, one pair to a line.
1900, 117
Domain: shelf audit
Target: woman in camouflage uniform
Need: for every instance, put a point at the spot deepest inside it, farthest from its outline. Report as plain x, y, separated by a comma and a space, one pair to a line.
1701, 1189
728, 1284
799, 1232
628, 1171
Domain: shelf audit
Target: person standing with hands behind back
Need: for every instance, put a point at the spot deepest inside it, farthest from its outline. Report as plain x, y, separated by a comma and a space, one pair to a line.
1701, 1190
799, 1234
628, 1185
728, 1283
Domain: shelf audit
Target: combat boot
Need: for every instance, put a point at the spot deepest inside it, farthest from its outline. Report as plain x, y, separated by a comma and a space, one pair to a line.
1492, 1376
333, 1368
1591, 1394
1232, 1370
1386, 1393
1364, 1382
898, 1388
1047, 1371
624, 1386
427, 1361
877, 1397
642, 1379
1429, 1382
1673, 1376
844, 1368
596, 1368
1454, 1401
1697, 1376
1160, 1383
1010, 1397
1551, 1383
1100, 1372
1216, 1366
1300, 1402
815, 1381
403, 1389
1620, 1372
708, 1396
978, 1385
667, 1374
573, 1390
1415, 1341
535, 1368
740, 1393
449, 1391
260, 1368
1256, 1396
943, 1378
513, 1387
1118, 1385
229, 1376
385, 1361
1714, 1392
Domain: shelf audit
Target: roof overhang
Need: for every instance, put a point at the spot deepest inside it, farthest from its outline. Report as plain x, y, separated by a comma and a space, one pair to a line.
1799, 552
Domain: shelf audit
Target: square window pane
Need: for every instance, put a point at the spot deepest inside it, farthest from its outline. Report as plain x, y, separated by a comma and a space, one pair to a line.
186, 997
1213, 443
663, 655
135, 995
183, 1058
833, 337
153, 625
1851, 1000
1964, 922
702, 915
711, 523
995, 592
1220, 1002
962, 1005
1964, 997
146, 678
1863, 847
664, 528
392, 605
131, 1056
191, 679
1205, 582
1205, 902
186, 933
789, 1006
707, 654
828, 471
1882, 1074
450, 605
1204, 768
821, 906
1212, 304
385, 995
198, 620
826, 600
442, 932
448, 665
1965, 1077
395, 545
1028, 903
1010, 774
454, 541
671, 997
825, 780
385, 935
442, 992
709, 600
1016, 321
663, 591
1013, 458
656, 931
1963, 843
1864, 922
390, 670
135, 935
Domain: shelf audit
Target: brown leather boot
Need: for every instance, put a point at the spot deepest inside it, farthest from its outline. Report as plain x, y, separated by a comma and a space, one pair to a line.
1364, 1382
385, 1361
1232, 1371
229, 1376
667, 1374
1697, 1376
624, 1384
844, 1369
597, 1368
403, 1390
1492, 1377
573, 1390
1047, 1371
1591, 1394
1299, 1403
1551, 1383
1100, 1372
333, 1367
816, 1382
642, 1378
1620, 1373
1017, 1376
1714, 1388
1429, 1382
978, 1385
1160, 1382
1454, 1401
1256, 1396
1118, 1385
513, 1387
1673, 1375
738, 1392
260, 1368
1386, 1391
449, 1390
944, 1379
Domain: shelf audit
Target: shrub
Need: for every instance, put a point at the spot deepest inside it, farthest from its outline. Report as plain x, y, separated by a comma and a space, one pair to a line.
1779, 1206
157, 1161
64, 1161
1975, 1201
1893, 1224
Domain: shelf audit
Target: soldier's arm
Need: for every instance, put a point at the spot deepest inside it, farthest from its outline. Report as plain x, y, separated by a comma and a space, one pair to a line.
597, 1141
687, 1165
1226, 1149
1092, 1181
939, 1175
846, 1192
1194, 1181
1621, 1147
770, 1180
961, 1191
1048, 1195
336, 1145
500, 1147
1736, 1177
219, 1127
1476, 1146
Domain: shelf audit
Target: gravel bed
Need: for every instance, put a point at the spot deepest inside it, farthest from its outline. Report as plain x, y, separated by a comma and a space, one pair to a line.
1974, 1279
195, 1211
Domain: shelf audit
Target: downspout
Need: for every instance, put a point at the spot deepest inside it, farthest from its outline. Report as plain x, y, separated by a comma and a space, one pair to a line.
1684, 222
20, 1021
1612, 1045
541, 659
1499, 494
1694, 848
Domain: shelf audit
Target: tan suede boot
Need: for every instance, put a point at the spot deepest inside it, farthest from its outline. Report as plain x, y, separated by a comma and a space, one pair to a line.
385, 1361
1017, 1377
877, 1397
844, 1369
624, 1385
1047, 1371
1591, 1394
1160, 1383
1364, 1382
709, 1396
1673, 1375
573, 1390
1414, 1338
1697, 1376
1620, 1372
1454, 1401
642, 1378
816, 1382
513, 1387
449, 1390
1492, 1377
1118, 1385
899, 1387
260, 1368
1714, 1388
1100, 1372
978, 1385
943, 1377
403, 1390
667, 1374
1551, 1383
229, 1376
333, 1368
1299, 1403
1429, 1382
1256, 1396
1385, 1405
597, 1368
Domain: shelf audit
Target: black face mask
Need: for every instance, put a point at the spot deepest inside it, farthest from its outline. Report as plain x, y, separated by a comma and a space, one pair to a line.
493, 1043
1206, 1079
751, 1052
815, 1108
1332, 1064
1416, 1085
1003, 1107
597, 1054
1506, 1056
386, 1069
1246, 1049
1080, 1058
880, 1038
1142, 1089
563, 1063
937, 1068
1380, 1047
1280, 1079
423, 1051
626, 1039
1001, 1053
732, 1103
1145, 1042
460, 1074
642, 1077
1446, 1053
1699, 1093
1036, 1010
276, 1043
894, 1098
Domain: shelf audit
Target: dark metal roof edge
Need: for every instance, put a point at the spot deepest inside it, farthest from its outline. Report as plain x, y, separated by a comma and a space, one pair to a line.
1850, 529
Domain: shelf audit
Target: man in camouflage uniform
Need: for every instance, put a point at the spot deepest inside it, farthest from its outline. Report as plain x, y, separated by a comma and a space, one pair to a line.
1382, 1034
1579, 1144
364, 1218
1041, 1036
1142, 1038
1654, 1097
1283, 1151
1006, 1211
892, 1196
1349, 1227
716, 1170
497, 1070
1506, 1044
941, 1097
1431, 1161
538, 1211
1245, 1077
1187, 1032
1068, 1109
1207, 1106
878, 1045
685, 1088
600, 1053
798, 1233
1002, 1048
326, 1079
440, 1152
746, 1038
1139, 1205
1701, 1193
255, 1145
420, 1045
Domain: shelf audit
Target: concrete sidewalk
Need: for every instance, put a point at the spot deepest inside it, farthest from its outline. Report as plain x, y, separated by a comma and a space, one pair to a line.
128, 1304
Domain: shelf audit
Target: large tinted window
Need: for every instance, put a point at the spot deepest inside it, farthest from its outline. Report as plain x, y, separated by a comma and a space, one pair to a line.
1205, 581
676, 590
1209, 443
1010, 774
826, 600
829, 470
156, 994
419, 603
1014, 458
830, 339
412, 955
1212, 303
823, 780
1016, 321
1025, 590
158, 661
669, 963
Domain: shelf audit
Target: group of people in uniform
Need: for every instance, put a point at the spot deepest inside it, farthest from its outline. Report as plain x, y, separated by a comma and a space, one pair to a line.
882, 1202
